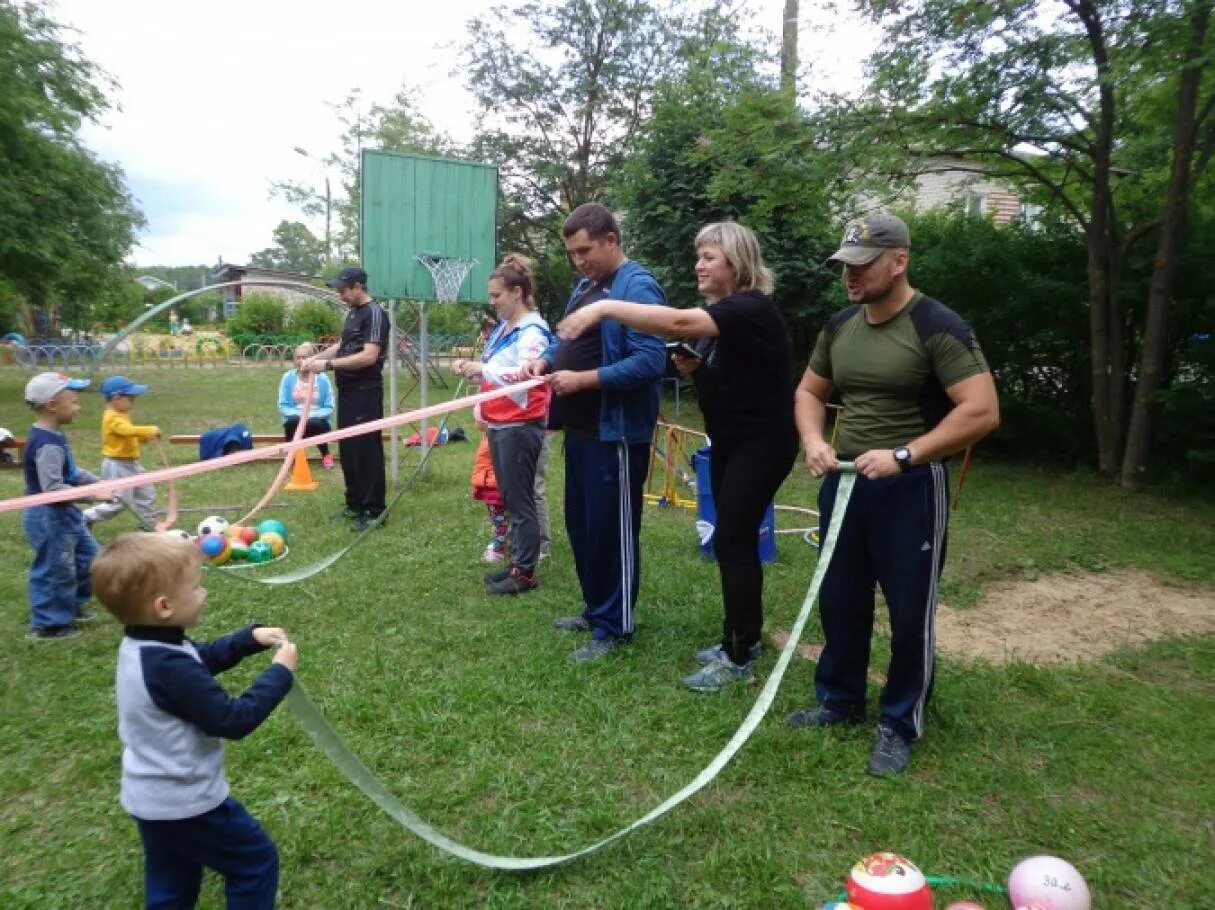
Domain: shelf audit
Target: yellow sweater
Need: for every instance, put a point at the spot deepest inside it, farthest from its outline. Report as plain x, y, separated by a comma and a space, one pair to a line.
120, 438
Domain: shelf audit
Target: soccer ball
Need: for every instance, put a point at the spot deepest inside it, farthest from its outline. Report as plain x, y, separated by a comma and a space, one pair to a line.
212, 525
179, 532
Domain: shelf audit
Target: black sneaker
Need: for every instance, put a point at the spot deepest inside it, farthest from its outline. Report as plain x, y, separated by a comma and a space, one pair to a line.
365, 521
499, 575
52, 633
571, 624
516, 582
84, 614
822, 716
891, 753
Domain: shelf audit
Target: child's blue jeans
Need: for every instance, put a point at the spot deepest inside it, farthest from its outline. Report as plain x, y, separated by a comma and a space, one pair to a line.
63, 552
227, 839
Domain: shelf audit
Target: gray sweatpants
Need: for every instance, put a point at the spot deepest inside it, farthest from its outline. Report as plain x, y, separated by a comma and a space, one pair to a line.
140, 500
546, 529
514, 451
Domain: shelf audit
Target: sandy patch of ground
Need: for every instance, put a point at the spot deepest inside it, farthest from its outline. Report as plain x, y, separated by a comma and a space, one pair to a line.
1064, 617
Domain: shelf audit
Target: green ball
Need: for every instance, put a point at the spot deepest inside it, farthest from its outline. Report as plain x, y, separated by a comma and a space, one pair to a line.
260, 552
240, 549
272, 525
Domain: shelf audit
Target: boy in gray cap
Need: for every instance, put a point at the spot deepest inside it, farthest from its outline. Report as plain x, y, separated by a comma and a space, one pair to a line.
59, 582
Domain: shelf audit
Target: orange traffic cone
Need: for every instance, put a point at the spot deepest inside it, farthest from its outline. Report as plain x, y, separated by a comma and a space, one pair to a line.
301, 474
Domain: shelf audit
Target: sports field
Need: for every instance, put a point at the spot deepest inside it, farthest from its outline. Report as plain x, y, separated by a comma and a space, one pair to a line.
467, 709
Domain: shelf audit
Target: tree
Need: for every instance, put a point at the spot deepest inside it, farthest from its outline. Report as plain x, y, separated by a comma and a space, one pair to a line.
1056, 96
295, 250
393, 127
564, 90
724, 142
65, 217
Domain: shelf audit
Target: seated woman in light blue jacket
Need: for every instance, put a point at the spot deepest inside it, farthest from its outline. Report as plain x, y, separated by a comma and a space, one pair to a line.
295, 389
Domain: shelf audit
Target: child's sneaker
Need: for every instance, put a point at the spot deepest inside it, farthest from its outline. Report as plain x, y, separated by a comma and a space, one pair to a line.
52, 633
493, 554
327, 461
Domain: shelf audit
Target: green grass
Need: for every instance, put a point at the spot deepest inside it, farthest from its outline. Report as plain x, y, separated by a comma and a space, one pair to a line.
467, 709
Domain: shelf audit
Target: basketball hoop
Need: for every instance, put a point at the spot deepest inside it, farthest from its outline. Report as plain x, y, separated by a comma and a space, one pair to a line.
447, 273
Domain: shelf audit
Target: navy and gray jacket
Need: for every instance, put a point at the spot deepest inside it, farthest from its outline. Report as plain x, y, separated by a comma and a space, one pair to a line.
172, 715
634, 362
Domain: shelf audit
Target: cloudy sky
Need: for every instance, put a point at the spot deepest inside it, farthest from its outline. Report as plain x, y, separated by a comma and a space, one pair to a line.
213, 98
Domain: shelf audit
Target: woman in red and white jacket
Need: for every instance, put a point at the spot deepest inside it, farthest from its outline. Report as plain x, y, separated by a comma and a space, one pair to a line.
516, 421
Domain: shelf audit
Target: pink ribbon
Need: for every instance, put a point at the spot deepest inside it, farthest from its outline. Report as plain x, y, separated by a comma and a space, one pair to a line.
105, 489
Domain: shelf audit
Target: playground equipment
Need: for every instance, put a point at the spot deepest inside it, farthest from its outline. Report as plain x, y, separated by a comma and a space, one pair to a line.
672, 448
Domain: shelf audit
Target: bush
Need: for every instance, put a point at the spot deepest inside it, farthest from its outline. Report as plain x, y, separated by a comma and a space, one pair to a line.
258, 314
314, 319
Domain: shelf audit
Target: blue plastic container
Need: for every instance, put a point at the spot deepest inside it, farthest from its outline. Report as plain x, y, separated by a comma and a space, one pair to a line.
707, 511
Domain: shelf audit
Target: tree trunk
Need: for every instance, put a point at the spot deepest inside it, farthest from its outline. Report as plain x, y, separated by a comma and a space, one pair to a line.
1106, 334
788, 47
1164, 267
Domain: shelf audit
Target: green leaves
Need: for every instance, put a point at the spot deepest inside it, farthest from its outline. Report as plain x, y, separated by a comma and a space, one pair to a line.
65, 216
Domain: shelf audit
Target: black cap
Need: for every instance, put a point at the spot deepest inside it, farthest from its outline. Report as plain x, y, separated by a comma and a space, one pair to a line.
352, 275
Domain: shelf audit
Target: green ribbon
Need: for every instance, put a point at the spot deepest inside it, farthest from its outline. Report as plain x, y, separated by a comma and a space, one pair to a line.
330, 743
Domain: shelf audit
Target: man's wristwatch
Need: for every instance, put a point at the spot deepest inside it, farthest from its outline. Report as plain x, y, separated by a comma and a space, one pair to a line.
902, 457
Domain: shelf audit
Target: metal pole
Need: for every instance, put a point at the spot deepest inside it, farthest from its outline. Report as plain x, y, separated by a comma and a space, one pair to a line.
328, 244
392, 385
423, 363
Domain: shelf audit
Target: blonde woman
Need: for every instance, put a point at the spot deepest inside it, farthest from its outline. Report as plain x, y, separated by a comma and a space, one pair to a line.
294, 389
742, 366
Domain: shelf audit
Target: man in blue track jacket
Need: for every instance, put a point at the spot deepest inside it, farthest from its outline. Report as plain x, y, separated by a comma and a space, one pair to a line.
606, 386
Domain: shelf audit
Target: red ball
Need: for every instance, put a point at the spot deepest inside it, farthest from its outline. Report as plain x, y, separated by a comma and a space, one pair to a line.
887, 881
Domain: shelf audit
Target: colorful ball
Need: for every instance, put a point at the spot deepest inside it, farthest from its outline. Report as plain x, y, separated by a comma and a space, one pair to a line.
275, 541
215, 549
887, 881
965, 905
272, 525
213, 524
259, 551
1048, 882
243, 533
240, 549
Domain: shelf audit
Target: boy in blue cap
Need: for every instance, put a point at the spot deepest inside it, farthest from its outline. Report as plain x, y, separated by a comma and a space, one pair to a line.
59, 583
120, 442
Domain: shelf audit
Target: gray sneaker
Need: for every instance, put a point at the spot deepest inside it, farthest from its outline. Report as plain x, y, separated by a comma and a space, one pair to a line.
593, 650
718, 652
891, 753
571, 624
717, 675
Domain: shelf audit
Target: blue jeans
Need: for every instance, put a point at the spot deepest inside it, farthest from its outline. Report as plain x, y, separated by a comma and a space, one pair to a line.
63, 552
227, 839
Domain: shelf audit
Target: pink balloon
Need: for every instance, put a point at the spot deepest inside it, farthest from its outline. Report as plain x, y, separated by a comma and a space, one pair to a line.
1047, 883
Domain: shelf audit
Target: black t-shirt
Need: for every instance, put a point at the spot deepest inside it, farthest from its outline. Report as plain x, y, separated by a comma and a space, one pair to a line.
745, 380
579, 413
365, 324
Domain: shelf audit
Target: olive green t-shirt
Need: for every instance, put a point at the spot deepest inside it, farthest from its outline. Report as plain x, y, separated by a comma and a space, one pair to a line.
892, 376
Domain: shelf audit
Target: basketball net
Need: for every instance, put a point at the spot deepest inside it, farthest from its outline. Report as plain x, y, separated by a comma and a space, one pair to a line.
447, 273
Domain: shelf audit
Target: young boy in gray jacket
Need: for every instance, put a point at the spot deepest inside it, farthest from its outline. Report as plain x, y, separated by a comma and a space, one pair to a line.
172, 716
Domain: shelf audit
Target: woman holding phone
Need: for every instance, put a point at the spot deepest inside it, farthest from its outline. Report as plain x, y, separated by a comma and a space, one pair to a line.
743, 371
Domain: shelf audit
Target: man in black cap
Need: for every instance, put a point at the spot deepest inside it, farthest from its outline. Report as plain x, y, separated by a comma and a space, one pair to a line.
916, 389
357, 362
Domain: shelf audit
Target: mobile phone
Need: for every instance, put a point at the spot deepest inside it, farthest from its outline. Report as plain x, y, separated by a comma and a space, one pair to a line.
682, 348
